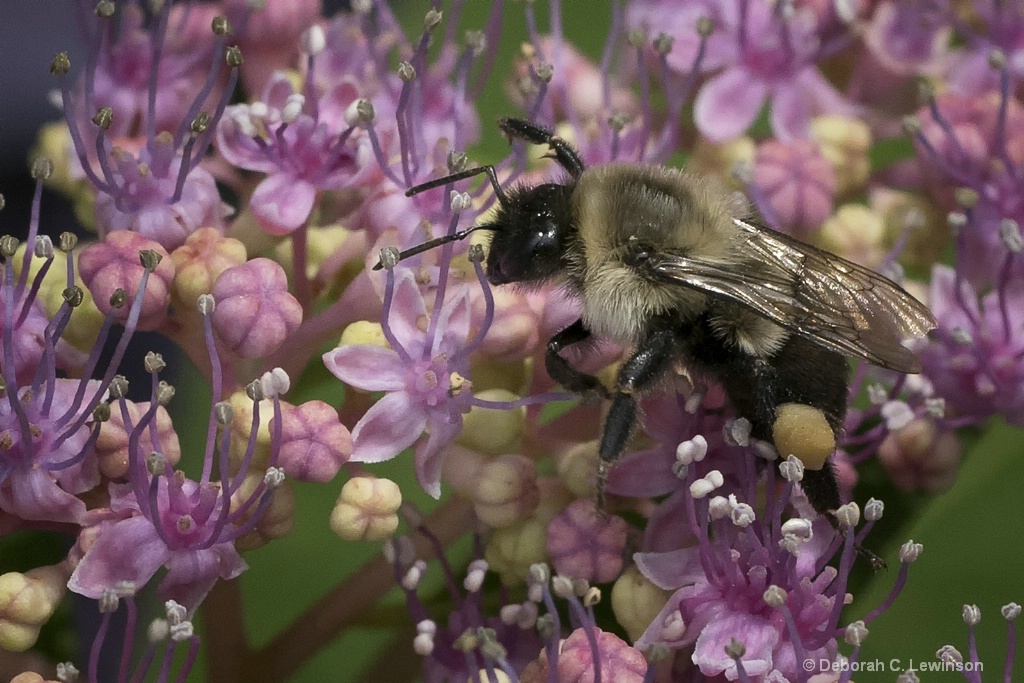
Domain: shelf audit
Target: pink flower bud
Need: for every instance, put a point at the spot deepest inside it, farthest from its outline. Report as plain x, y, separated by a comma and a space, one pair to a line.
315, 444
515, 332
618, 661
585, 545
114, 263
255, 312
112, 449
270, 40
795, 185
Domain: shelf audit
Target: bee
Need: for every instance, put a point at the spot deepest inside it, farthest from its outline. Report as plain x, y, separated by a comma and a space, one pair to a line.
664, 265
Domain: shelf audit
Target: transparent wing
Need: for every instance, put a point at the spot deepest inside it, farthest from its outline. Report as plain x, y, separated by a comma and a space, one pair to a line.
839, 305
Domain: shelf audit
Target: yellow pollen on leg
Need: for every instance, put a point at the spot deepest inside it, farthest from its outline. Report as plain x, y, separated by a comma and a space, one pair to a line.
803, 431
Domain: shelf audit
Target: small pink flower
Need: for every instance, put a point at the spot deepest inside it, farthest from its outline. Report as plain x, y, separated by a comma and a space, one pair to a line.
146, 195
42, 471
773, 60
974, 360
422, 377
303, 147
135, 543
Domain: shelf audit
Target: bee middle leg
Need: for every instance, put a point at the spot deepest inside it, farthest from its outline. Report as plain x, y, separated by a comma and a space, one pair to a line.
649, 362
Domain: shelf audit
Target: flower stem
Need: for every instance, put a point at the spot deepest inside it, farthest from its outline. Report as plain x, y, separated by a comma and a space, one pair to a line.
320, 624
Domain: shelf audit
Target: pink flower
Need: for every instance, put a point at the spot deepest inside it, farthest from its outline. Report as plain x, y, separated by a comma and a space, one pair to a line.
975, 361
44, 467
147, 194
773, 60
421, 374
162, 519
304, 147
171, 528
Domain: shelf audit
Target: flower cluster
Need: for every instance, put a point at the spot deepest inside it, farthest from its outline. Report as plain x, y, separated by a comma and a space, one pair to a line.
304, 200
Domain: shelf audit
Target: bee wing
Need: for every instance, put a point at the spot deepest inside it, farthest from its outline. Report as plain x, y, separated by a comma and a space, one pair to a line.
837, 304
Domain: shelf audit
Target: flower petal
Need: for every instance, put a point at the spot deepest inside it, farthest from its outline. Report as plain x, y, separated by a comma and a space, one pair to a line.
790, 113
670, 570
729, 103
367, 367
192, 573
453, 324
667, 528
387, 429
407, 310
33, 494
430, 455
129, 550
282, 202
757, 635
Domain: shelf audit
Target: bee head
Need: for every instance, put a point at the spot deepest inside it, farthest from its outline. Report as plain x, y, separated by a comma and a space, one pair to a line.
530, 233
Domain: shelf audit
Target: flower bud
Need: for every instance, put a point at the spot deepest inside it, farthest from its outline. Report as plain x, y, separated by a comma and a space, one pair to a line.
364, 332
855, 232
921, 457
796, 185
512, 550
506, 490
492, 430
241, 427
27, 601
198, 263
586, 545
367, 509
314, 443
114, 264
636, 601
844, 142
112, 446
276, 521
255, 312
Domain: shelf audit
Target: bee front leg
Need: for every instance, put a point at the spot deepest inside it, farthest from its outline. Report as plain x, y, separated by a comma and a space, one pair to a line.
652, 358
562, 371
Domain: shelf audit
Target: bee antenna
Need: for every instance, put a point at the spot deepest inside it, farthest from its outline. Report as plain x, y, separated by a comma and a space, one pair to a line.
437, 242
468, 173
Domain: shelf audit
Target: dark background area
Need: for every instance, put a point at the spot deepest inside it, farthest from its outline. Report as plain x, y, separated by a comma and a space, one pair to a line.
31, 32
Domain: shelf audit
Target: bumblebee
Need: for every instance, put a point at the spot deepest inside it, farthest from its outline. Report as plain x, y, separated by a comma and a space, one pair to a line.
667, 265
